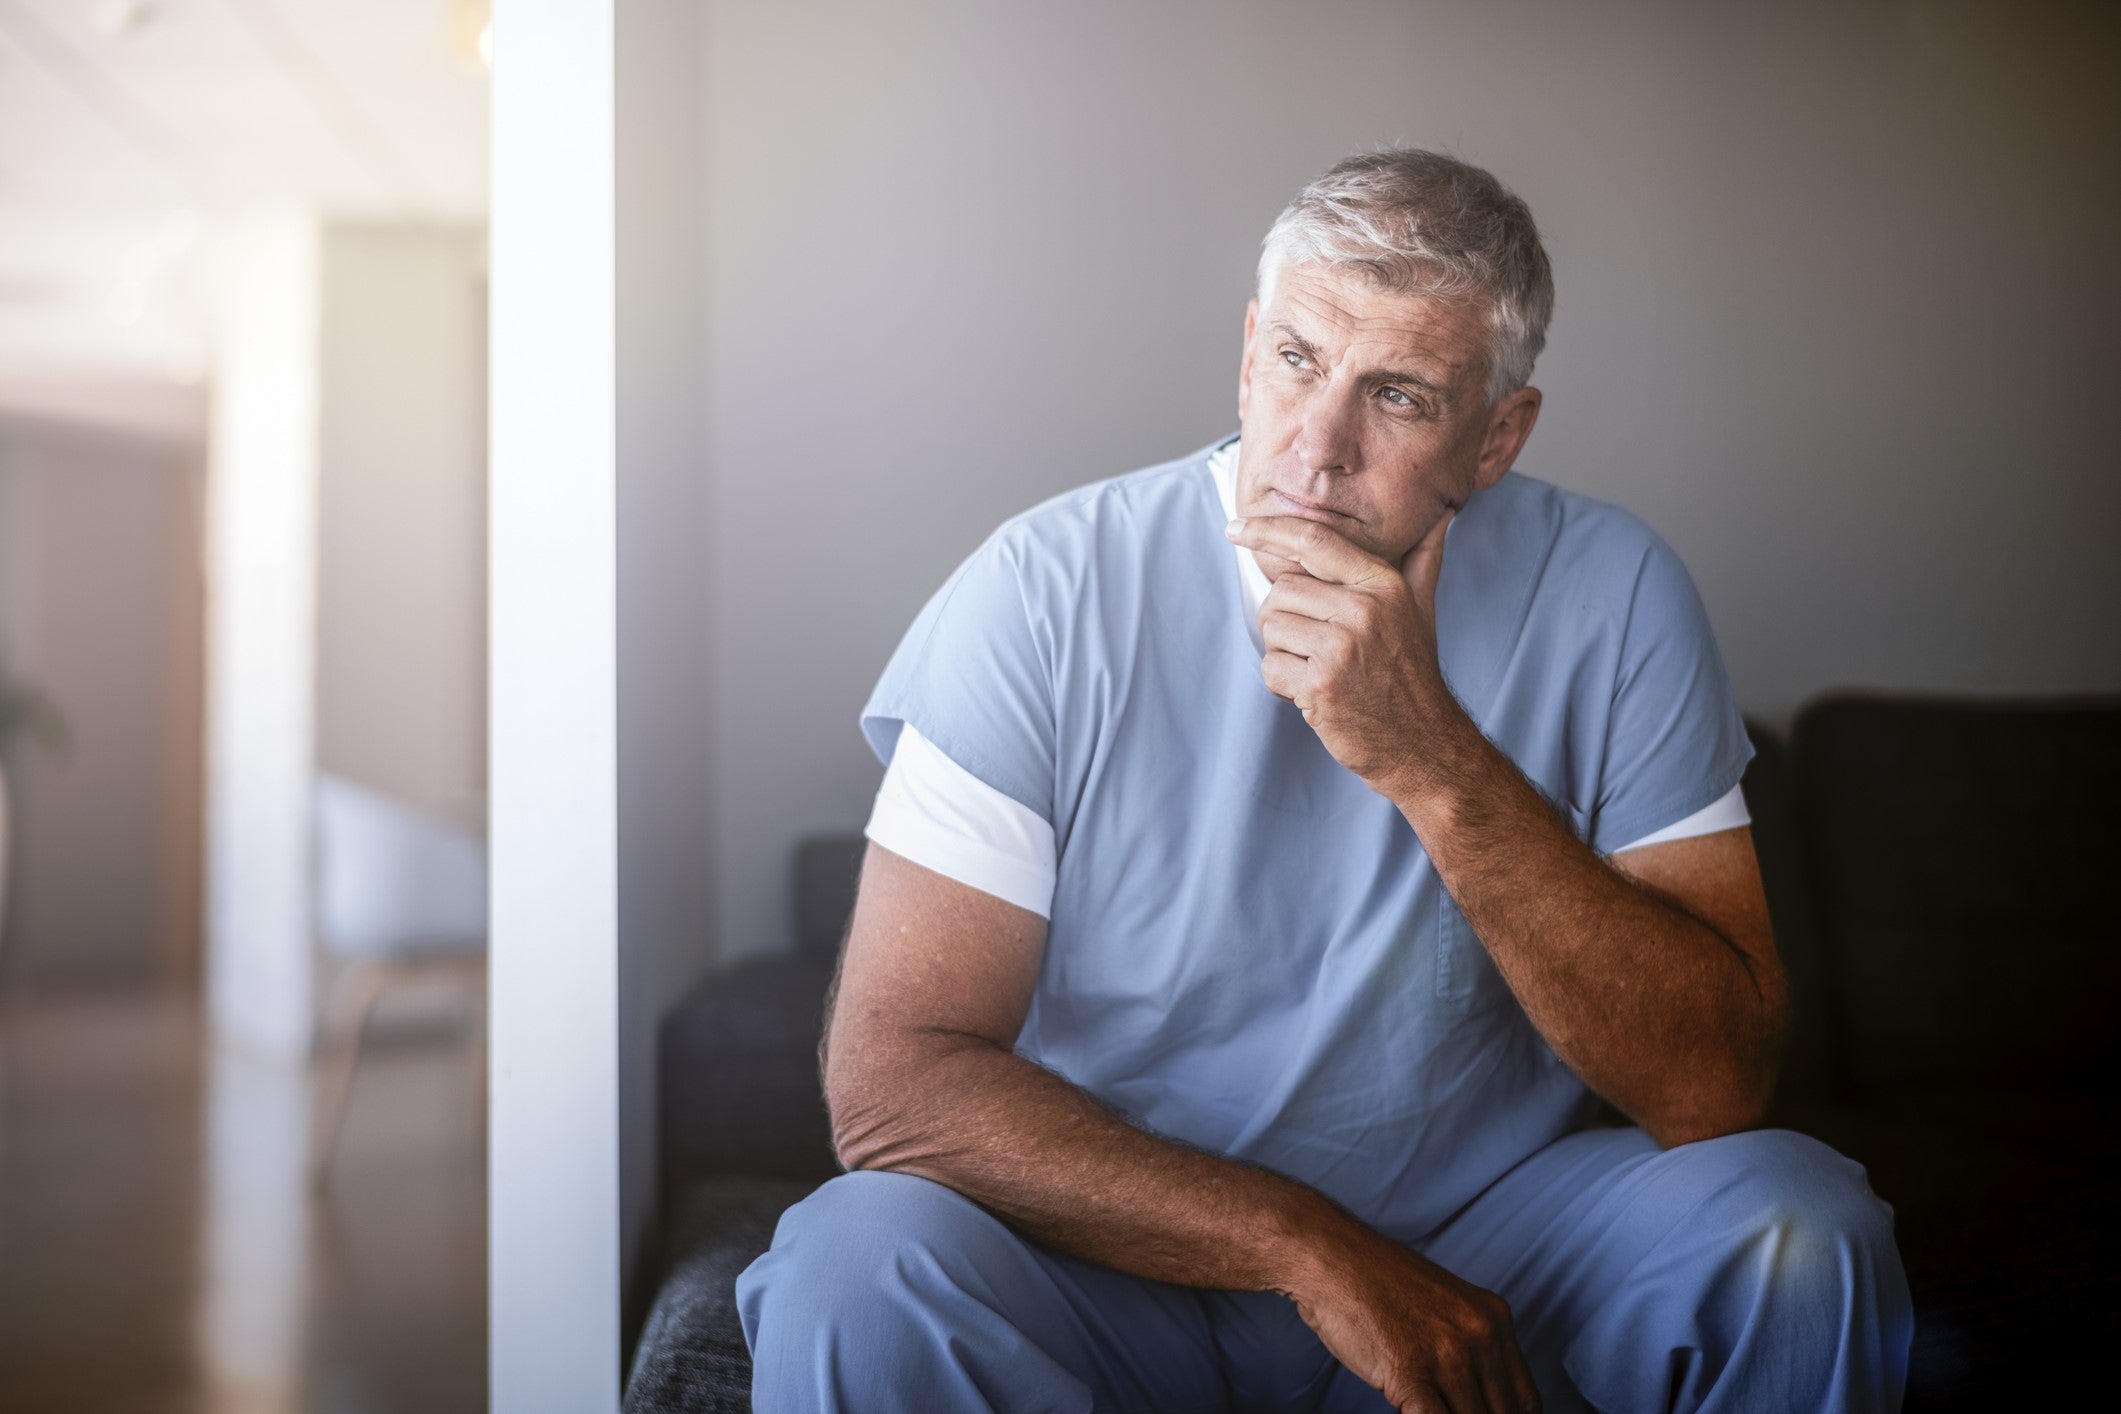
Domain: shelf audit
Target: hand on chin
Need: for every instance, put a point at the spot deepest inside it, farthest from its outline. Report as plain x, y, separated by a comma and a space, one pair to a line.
1274, 566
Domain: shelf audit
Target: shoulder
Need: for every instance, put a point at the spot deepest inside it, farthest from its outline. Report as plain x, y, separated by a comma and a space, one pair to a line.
1583, 527
1590, 552
1102, 528
1129, 503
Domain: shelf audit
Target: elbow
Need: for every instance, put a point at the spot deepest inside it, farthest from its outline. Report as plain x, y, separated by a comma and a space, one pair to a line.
1728, 1100
847, 1078
1733, 1093
1710, 1116
851, 1151
856, 1126
1705, 1123
870, 1116
1733, 1090
890, 1104
859, 1137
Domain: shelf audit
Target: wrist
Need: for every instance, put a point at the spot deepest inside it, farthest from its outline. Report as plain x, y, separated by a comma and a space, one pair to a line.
1315, 1243
1432, 769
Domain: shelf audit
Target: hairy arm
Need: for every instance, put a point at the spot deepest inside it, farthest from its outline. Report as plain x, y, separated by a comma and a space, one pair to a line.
920, 1078
1653, 975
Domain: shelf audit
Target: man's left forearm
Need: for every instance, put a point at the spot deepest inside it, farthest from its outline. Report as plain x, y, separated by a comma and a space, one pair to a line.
1658, 1012
1676, 1023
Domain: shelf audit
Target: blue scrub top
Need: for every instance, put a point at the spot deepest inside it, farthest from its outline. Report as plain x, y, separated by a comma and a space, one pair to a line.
1249, 949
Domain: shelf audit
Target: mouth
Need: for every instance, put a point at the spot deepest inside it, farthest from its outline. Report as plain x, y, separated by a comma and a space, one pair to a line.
1291, 506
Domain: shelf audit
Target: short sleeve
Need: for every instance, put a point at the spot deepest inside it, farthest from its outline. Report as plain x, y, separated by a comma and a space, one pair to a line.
1675, 739
942, 817
974, 678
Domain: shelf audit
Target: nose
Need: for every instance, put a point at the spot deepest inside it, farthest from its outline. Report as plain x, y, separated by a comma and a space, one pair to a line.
1326, 442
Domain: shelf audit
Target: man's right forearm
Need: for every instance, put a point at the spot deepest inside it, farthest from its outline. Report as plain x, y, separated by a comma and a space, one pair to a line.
1045, 1156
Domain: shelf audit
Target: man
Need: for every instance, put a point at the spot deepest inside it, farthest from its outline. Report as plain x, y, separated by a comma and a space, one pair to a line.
1237, 969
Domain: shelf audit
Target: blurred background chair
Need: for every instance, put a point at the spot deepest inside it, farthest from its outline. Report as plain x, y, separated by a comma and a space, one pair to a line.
400, 904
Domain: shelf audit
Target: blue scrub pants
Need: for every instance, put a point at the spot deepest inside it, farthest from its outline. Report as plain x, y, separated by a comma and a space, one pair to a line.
1754, 1271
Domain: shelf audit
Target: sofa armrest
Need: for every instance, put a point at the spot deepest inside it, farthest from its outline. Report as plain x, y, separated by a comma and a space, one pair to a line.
738, 1076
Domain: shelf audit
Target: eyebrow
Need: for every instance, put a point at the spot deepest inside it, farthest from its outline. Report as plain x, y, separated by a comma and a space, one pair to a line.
1382, 375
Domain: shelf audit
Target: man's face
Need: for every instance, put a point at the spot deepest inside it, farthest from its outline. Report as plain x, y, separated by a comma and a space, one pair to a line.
1367, 410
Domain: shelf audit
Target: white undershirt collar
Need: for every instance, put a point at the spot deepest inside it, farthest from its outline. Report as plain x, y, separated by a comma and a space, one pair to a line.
1251, 579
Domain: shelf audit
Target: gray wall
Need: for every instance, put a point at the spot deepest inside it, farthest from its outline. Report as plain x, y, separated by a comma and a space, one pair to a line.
1834, 314
665, 789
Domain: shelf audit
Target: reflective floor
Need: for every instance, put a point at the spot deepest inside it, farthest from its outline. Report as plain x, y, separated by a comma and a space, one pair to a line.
161, 1249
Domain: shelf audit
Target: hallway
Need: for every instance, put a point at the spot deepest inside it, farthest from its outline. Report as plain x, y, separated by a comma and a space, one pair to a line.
160, 1252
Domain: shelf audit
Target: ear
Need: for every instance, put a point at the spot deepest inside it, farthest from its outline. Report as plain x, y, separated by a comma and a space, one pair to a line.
1244, 361
1510, 421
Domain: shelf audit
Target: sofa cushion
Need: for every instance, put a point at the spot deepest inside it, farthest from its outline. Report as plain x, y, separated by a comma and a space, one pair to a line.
691, 1358
1958, 856
1807, 1066
738, 1072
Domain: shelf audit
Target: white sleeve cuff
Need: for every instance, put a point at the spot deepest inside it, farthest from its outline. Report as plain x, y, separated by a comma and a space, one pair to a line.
942, 817
1728, 812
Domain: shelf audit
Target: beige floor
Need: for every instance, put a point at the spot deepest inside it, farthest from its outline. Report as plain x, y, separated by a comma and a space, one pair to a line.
160, 1252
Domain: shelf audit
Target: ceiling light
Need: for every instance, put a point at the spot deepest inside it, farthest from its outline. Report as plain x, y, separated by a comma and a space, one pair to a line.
471, 34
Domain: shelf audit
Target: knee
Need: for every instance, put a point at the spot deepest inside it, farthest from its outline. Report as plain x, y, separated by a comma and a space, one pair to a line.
858, 1236
1780, 1177
1807, 1211
1770, 1264
872, 1212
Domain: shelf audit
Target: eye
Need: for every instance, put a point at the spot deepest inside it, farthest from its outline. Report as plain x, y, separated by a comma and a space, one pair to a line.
1292, 357
1398, 398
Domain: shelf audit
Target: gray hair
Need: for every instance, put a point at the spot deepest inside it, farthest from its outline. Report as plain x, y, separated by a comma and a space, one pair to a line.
1421, 223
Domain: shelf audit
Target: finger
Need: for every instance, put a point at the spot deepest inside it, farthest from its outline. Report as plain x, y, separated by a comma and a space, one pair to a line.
1300, 593
1499, 1385
1460, 1383
1425, 1400
1423, 564
1506, 1379
1523, 1388
1285, 674
1322, 551
1294, 633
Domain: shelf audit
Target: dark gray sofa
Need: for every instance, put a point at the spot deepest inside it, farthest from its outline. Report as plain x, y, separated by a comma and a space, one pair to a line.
742, 1135
1938, 875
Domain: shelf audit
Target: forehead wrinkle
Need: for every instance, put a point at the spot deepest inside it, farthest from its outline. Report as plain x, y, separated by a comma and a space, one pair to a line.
1409, 345
1427, 340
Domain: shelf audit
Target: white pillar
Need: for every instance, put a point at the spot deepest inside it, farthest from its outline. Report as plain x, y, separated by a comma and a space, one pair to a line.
261, 547
598, 663
554, 1230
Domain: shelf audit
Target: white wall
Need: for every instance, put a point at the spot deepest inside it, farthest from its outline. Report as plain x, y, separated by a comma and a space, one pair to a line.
401, 515
1832, 315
